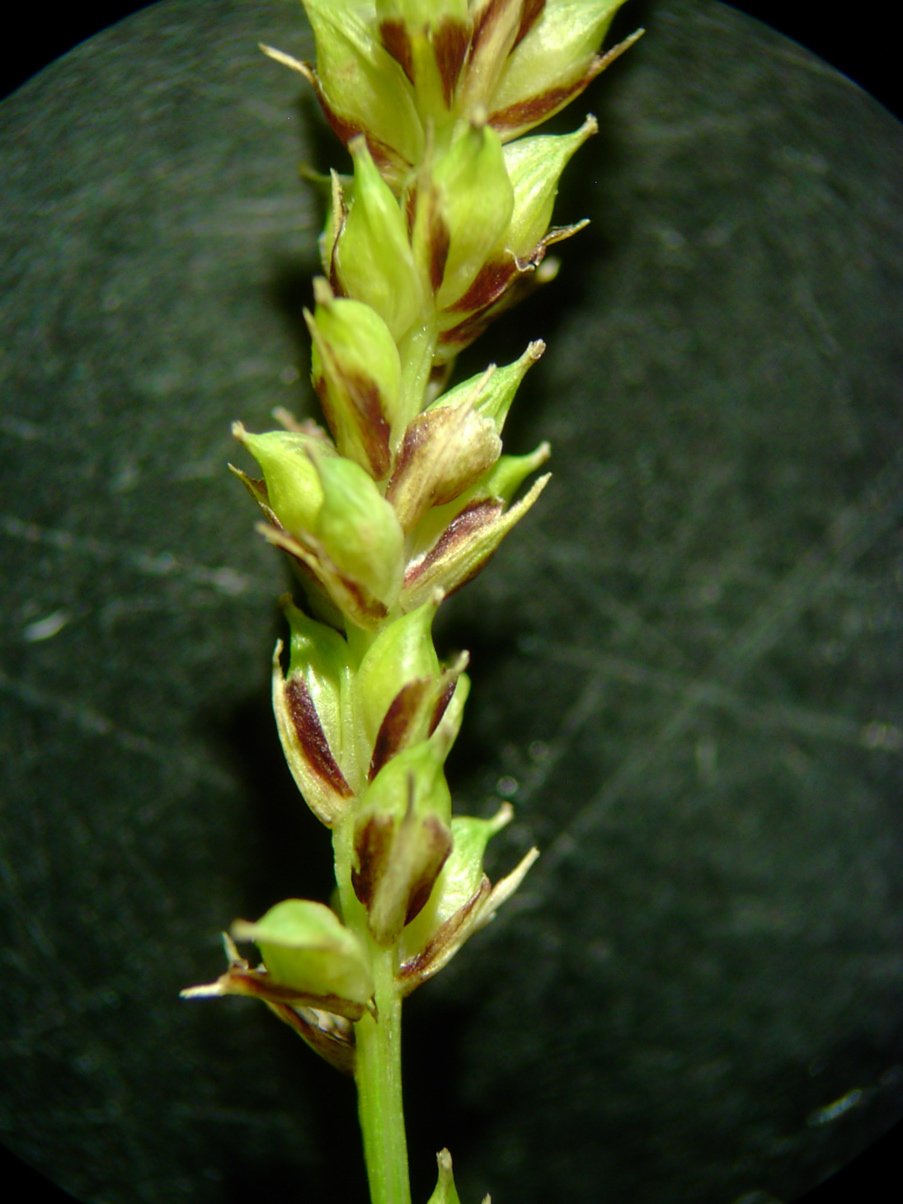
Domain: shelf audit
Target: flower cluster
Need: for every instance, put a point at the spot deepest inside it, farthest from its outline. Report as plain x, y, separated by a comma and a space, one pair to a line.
447, 217
408, 493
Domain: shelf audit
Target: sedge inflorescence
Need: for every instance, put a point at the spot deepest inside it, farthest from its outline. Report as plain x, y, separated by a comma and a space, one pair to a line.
406, 493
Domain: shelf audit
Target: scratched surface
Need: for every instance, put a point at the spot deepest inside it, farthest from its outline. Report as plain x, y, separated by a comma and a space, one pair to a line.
686, 660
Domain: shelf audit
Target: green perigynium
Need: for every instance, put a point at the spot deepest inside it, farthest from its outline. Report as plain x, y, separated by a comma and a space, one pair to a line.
442, 223
306, 949
356, 372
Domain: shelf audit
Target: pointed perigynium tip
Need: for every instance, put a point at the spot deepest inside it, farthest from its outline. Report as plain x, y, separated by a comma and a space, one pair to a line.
323, 294
446, 1192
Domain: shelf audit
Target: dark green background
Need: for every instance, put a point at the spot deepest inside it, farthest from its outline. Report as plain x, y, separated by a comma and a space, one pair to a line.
686, 661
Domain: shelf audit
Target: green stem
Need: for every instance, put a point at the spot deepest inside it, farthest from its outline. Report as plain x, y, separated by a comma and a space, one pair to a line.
377, 1070
378, 1077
